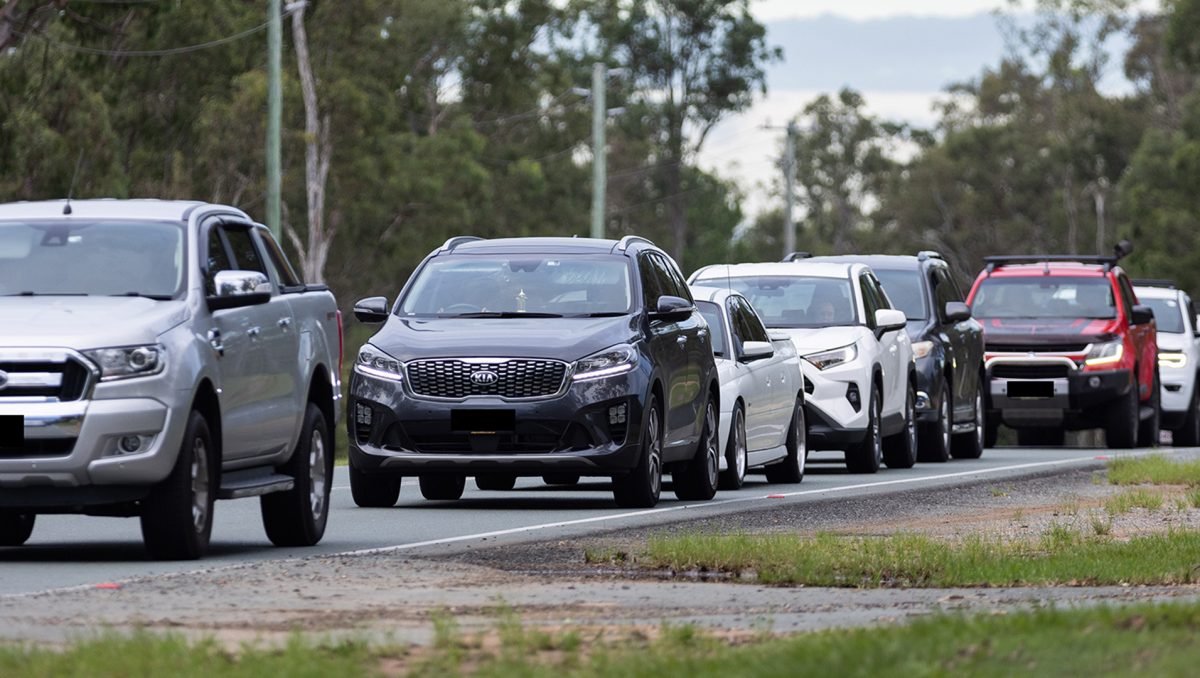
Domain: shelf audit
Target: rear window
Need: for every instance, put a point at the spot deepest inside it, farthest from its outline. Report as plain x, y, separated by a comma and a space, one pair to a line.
1044, 297
1167, 314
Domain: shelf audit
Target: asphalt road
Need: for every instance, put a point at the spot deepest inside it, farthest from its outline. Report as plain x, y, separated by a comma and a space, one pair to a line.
80, 551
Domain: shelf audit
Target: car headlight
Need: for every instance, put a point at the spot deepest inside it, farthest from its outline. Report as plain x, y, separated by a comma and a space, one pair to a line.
827, 359
1106, 353
922, 348
375, 363
607, 363
128, 361
1172, 360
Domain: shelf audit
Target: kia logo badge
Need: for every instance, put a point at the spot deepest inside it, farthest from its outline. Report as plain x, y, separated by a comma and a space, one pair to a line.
3, 379
484, 377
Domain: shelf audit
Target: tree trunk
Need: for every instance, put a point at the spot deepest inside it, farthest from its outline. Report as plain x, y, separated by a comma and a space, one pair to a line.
318, 148
1072, 209
676, 213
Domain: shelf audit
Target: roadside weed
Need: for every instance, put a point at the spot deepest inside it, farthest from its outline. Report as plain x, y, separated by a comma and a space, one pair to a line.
1101, 524
1155, 469
1194, 498
1130, 499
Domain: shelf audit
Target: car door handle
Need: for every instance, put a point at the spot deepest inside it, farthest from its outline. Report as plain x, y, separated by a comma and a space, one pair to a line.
285, 323
214, 340
681, 341
702, 333
253, 332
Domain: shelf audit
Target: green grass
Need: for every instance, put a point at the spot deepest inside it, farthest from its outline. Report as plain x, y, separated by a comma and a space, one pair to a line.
1101, 641
1062, 555
1153, 470
1128, 500
1194, 498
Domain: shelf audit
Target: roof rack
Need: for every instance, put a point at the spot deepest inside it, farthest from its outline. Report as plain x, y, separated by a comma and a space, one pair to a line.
457, 240
1120, 251
929, 254
1153, 282
796, 256
629, 240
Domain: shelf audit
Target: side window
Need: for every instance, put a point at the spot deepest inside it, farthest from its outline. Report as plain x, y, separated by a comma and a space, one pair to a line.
870, 301
1127, 295
754, 327
1190, 309
216, 259
651, 286
944, 291
881, 297
279, 262
245, 253
675, 277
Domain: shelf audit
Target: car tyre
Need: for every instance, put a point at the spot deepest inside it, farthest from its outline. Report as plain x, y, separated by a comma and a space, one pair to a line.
935, 438
1121, 429
1188, 435
971, 445
1148, 428
565, 479
641, 487
697, 481
15, 527
373, 490
499, 482
791, 469
298, 517
900, 450
443, 487
177, 515
867, 456
734, 476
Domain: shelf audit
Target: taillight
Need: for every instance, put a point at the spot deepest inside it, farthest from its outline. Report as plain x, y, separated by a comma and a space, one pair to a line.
341, 341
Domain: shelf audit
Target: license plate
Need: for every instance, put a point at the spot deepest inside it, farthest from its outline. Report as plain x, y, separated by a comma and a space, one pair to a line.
12, 430
1030, 389
483, 421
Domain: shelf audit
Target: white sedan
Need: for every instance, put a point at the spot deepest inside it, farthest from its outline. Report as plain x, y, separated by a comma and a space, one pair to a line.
762, 392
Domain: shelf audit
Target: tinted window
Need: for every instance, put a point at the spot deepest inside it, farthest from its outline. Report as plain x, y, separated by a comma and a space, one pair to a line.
245, 254
283, 268
1127, 295
799, 301
652, 285
906, 292
520, 283
97, 258
712, 316
750, 328
217, 259
675, 278
871, 302
1044, 296
944, 291
1168, 316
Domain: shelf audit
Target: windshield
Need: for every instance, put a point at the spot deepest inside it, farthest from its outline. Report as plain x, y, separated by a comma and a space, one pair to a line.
1167, 316
905, 292
797, 301
520, 284
102, 258
1044, 296
712, 316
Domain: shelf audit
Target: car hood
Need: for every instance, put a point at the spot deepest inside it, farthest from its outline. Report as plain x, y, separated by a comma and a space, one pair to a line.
810, 340
1043, 331
86, 322
1170, 341
567, 339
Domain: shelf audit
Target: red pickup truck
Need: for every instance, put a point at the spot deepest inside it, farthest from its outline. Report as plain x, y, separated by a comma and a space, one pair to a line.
1067, 347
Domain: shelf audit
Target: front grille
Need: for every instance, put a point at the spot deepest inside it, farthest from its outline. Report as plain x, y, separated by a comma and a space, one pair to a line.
516, 378
531, 437
40, 447
1031, 371
1036, 348
63, 379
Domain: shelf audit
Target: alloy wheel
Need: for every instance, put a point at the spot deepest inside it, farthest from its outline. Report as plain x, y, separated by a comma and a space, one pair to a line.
316, 475
200, 485
739, 443
712, 451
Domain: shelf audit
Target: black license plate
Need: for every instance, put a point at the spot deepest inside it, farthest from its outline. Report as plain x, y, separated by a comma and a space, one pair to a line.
1030, 389
483, 421
12, 430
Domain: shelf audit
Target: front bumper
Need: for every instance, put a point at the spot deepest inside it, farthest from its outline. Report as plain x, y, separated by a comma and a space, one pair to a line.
1075, 399
1176, 391
836, 404
575, 432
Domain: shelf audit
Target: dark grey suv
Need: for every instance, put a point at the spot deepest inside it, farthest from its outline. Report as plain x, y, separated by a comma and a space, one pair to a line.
553, 357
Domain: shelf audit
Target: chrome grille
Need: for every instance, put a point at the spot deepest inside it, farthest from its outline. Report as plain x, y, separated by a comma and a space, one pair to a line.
43, 375
1030, 371
514, 378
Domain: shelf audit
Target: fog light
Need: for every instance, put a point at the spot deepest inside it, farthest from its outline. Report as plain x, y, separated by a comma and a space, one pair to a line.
362, 414
852, 395
130, 444
1094, 382
616, 414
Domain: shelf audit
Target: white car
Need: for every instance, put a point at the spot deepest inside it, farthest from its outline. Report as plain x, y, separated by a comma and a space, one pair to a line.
762, 392
858, 362
1178, 357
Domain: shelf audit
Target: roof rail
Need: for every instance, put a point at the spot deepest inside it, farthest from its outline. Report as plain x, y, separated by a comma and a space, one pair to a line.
457, 240
1108, 261
796, 256
1154, 282
929, 254
629, 240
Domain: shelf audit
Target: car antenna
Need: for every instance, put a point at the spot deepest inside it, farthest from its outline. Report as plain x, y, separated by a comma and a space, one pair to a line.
71, 191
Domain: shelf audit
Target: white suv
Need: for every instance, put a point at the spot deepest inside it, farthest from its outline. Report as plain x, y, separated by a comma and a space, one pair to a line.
858, 363
1178, 357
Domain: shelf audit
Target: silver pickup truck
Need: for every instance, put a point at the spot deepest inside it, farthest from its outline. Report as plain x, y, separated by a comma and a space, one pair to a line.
155, 356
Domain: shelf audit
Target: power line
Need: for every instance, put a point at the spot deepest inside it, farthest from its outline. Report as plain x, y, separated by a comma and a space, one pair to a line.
172, 51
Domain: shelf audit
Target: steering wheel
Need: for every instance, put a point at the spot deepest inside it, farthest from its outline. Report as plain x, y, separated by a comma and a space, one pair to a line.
462, 308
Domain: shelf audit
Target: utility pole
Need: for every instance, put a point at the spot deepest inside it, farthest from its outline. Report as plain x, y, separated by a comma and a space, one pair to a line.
789, 184
599, 148
274, 115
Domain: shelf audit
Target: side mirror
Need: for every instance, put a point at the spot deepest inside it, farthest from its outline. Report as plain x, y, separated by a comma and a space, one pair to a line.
1142, 315
672, 308
235, 289
756, 350
889, 319
956, 311
371, 310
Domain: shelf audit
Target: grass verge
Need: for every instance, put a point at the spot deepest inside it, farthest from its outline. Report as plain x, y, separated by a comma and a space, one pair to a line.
1061, 556
1128, 500
1154, 470
1141, 639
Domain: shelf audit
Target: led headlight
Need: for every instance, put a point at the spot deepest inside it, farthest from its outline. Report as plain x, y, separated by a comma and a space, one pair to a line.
128, 361
827, 359
1172, 360
375, 363
1107, 353
607, 363
922, 349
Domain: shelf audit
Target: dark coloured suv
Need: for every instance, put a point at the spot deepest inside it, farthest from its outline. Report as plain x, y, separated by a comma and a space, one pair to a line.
948, 347
553, 357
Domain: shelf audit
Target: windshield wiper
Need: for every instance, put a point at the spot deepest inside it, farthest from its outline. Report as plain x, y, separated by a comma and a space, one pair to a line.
504, 314
156, 297
603, 314
47, 294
